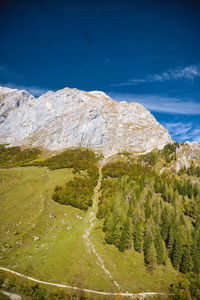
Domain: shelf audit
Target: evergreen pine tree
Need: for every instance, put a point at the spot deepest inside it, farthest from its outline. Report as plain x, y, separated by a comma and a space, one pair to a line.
156, 212
157, 187
196, 248
116, 233
147, 243
125, 240
159, 249
109, 229
151, 258
177, 252
196, 258
130, 209
170, 242
186, 262
166, 192
171, 194
148, 210
138, 236
165, 225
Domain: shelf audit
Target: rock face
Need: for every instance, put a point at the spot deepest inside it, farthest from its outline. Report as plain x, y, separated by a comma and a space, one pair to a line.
74, 118
186, 153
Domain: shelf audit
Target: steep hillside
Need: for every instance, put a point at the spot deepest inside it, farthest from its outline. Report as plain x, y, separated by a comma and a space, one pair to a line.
63, 244
127, 223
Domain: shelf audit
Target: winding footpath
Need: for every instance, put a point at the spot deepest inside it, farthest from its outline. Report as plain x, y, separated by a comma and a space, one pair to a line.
92, 221
141, 295
11, 295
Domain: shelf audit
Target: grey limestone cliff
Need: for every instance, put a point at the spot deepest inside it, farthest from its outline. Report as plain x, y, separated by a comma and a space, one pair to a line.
73, 118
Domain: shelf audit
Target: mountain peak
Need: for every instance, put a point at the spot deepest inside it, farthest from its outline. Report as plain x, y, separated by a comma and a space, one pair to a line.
70, 117
98, 94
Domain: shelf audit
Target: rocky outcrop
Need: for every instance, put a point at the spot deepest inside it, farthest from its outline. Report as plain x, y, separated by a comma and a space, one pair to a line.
11, 99
186, 153
70, 117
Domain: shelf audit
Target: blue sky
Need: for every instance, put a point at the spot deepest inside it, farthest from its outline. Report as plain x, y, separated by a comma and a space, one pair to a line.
142, 51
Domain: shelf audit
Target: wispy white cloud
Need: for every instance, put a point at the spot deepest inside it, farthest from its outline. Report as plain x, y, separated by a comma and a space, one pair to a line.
197, 139
156, 103
188, 73
33, 90
178, 128
183, 131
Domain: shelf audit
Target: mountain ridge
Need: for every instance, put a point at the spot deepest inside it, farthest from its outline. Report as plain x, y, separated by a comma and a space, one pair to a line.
74, 118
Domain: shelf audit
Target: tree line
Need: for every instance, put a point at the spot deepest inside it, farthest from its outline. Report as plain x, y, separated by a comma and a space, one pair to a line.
16, 156
192, 170
77, 192
157, 215
168, 153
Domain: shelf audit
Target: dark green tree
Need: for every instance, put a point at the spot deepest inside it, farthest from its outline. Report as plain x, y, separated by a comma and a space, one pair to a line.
159, 249
186, 262
177, 252
151, 258
147, 208
195, 253
147, 243
138, 236
165, 223
170, 241
117, 233
125, 241
109, 229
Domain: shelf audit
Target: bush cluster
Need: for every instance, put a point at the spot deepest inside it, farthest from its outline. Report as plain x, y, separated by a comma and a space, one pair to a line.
14, 156
77, 192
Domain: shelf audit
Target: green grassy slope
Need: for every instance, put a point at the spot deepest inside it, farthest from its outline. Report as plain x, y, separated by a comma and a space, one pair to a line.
128, 268
61, 254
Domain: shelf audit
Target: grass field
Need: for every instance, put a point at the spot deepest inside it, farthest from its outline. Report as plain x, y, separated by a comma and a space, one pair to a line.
128, 267
60, 254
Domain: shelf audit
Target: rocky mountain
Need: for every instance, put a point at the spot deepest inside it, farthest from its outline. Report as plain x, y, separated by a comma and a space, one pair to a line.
70, 117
